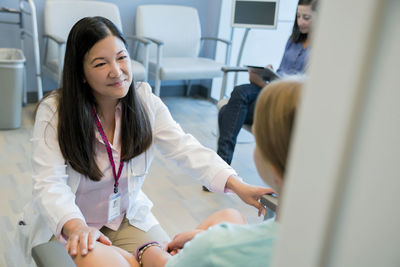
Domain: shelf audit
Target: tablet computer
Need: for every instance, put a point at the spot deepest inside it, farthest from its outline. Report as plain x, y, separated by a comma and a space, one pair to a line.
266, 73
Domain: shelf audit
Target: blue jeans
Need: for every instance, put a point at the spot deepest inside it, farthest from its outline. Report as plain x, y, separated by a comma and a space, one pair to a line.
232, 116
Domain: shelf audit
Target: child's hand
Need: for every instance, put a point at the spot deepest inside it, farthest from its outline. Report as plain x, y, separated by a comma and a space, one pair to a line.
179, 241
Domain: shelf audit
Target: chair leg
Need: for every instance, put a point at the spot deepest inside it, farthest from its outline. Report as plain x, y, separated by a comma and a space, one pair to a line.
188, 87
223, 87
157, 86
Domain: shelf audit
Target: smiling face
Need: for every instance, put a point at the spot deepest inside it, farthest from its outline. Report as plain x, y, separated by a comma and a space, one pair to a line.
304, 18
107, 69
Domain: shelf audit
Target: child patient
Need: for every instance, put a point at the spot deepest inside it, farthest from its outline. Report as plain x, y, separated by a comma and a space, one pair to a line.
224, 238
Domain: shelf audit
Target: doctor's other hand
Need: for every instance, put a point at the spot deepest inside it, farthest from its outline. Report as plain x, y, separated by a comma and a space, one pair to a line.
250, 194
82, 237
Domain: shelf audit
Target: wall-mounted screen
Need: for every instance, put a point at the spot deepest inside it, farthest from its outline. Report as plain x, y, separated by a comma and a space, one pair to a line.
255, 13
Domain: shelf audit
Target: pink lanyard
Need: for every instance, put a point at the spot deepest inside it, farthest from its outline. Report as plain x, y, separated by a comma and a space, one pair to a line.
109, 152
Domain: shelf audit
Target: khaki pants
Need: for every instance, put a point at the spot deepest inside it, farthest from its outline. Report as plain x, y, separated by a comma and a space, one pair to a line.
129, 237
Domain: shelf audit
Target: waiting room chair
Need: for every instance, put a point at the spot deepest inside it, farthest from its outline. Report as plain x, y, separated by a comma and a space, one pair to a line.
61, 15
176, 33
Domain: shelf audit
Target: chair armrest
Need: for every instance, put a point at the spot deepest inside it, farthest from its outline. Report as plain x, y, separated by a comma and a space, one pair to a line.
60, 43
50, 254
55, 38
227, 42
139, 39
160, 45
228, 46
154, 40
227, 69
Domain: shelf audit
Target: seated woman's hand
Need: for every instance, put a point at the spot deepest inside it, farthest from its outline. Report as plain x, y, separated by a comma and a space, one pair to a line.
180, 239
82, 237
256, 79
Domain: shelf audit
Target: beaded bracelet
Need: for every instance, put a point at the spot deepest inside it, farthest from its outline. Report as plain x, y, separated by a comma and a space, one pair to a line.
142, 248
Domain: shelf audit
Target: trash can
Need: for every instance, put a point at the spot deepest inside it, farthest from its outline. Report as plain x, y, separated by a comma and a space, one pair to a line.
11, 87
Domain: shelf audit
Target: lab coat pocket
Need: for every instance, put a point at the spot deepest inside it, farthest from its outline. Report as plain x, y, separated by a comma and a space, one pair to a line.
139, 165
137, 173
139, 208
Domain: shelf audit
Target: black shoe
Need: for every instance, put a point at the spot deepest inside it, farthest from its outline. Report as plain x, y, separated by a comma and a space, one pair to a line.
206, 189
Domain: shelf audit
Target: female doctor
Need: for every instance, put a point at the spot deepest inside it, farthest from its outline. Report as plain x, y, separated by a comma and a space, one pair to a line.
93, 143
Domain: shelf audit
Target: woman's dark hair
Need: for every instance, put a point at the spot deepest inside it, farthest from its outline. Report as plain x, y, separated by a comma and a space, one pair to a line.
76, 126
297, 36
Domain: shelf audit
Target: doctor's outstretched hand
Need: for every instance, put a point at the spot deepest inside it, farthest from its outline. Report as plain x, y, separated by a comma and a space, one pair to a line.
82, 237
250, 194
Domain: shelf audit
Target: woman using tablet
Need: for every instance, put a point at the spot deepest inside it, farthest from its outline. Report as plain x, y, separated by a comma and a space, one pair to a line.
240, 108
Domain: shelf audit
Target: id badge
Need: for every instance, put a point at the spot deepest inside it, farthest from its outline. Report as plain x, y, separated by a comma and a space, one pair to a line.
114, 206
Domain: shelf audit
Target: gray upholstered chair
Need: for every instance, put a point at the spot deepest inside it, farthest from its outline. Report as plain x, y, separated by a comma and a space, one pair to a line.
176, 33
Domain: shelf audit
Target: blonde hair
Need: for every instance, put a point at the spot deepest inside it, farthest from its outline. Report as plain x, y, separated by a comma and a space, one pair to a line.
274, 119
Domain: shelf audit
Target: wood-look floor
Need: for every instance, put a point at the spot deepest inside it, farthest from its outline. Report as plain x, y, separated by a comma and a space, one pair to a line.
179, 202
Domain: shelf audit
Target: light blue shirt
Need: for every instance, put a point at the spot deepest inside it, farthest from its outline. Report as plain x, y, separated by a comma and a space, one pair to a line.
229, 245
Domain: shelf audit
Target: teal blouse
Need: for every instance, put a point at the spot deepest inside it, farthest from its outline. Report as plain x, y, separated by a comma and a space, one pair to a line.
229, 245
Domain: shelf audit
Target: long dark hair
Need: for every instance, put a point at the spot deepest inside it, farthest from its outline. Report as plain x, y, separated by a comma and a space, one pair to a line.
297, 36
76, 126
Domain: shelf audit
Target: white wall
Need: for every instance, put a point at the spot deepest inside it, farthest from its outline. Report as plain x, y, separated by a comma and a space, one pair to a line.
263, 47
208, 13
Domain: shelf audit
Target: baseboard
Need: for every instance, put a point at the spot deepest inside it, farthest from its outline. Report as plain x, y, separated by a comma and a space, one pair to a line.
170, 90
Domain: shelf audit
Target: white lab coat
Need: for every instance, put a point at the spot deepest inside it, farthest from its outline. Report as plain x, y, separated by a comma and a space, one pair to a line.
55, 182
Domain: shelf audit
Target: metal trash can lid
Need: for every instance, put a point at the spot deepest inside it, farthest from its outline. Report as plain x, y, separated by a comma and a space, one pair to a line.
11, 56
